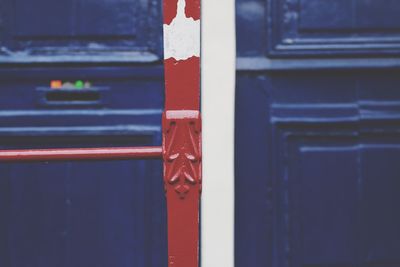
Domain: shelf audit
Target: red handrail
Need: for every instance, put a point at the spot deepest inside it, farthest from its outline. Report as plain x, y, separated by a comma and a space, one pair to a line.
108, 153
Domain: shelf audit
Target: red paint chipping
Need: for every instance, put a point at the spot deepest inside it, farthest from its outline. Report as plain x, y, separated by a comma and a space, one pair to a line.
170, 10
182, 148
182, 84
192, 9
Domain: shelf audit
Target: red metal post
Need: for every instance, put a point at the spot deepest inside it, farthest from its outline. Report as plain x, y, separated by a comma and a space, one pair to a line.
182, 130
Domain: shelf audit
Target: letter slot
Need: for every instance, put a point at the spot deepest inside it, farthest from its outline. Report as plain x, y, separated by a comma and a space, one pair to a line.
88, 97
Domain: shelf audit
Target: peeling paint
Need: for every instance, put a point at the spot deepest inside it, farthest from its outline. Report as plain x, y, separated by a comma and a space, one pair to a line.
182, 36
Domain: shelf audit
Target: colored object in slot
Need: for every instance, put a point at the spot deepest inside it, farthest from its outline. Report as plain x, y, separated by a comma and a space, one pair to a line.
55, 84
87, 85
68, 85
79, 84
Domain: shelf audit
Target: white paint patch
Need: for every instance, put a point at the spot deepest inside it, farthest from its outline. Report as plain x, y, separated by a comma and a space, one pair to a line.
182, 36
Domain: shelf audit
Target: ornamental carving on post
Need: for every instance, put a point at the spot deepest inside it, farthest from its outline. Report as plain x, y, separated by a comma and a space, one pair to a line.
182, 151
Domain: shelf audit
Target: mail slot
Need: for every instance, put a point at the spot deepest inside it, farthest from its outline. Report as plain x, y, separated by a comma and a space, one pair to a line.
91, 97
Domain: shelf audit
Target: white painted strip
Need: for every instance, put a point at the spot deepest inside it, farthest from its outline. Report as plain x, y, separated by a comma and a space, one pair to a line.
218, 90
182, 36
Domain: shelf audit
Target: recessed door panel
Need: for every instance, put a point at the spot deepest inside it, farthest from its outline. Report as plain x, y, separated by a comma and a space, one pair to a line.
80, 31
317, 155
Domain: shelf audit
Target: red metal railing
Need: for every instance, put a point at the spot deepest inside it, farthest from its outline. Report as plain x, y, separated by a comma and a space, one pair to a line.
112, 153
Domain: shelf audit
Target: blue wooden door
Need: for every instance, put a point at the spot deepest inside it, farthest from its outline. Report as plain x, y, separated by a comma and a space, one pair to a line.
317, 133
81, 214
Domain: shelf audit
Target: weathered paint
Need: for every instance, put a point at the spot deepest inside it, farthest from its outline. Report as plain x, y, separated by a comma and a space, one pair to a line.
182, 34
182, 130
192, 9
169, 10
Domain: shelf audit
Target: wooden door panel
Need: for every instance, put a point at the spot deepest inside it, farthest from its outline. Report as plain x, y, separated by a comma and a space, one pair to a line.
317, 155
80, 31
89, 213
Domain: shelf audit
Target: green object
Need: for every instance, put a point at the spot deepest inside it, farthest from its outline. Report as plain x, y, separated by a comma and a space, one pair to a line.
79, 84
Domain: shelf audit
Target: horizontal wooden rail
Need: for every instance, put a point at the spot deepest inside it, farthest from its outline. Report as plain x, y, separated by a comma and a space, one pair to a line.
109, 153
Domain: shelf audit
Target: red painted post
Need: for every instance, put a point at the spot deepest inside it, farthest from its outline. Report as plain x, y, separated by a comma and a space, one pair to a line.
182, 130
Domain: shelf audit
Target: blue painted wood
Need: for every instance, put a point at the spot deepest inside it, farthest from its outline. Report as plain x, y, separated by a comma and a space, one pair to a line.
318, 28
317, 138
337, 27
80, 214
46, 31
316, 169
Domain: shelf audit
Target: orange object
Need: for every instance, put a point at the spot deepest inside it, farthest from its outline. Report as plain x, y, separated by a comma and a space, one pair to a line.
56, 84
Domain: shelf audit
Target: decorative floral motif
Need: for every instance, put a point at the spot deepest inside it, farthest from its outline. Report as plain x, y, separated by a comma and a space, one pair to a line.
182, 151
